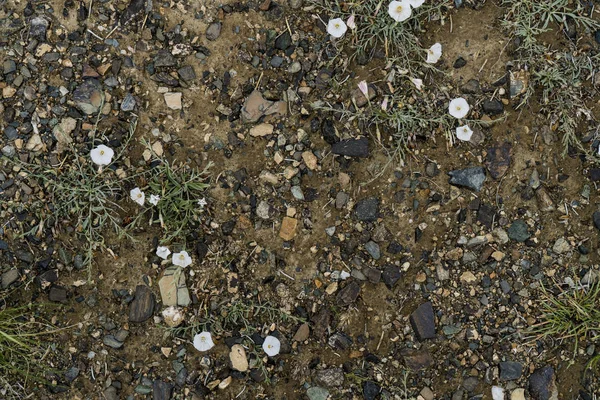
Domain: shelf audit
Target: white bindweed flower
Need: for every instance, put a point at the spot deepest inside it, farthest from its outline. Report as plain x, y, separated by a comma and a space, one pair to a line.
172, 316
399, 10
416, 3
434, 53
137, 195
203, 341
202, 202
163, 252
458, 108
364, 88
271, 346
102, 155
417, 82
464, 133
182, 259
154, 199
336, 27
350, 22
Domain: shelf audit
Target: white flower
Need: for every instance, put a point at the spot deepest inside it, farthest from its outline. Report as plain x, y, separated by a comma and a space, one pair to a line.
336, 27
399, 10
203, 341
102, 155
172, 316
163, 252
434, 53
458, 108
137, 195
271, 346
416, 3
417, 82
182, 259
364, 88
202, 202
350, 22
154, 199
464, 133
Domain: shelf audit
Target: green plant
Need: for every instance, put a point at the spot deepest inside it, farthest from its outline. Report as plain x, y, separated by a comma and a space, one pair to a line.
572, 313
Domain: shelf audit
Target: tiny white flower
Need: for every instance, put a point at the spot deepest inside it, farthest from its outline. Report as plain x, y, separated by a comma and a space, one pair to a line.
464, 133
202, 202
364, 88
163, 252
434, 53
416, 3
336, 27
203, 341
399, 10
417, 82
350, 22
459, 108
182, 259
137, 195
154, 199
172, 316
271, 346
102, 155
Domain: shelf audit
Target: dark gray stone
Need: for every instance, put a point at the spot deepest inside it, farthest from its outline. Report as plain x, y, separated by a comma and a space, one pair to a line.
416, 359
88, 96
164, 58
493, 107
283, 41
351, 147
518, 231
161, 390
542, 384
276, 61
9, 277
38, 27
71, 374
367, 209
370, 390
128, 103
348, 294
111, 393
213, 31
372, 274
111, 341
471, 87
391, 275
373, 249
423, 322
471, 178
142, 306
339, 341
58, 294
596, 218
470, 384
187, 73
510, 370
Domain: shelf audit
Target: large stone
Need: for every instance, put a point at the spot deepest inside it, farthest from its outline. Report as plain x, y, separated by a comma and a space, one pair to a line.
351, 147
518, 231
257, 106
173, 289
213, 31
173, 100
510, 370
542, 384
391, 275
88, 96
348, 294
238, 358
317, 393
471, 178
331, 377
288, 228
422, 321
367, 209
416, 359
142, 306
498, 160
161, 390
596, 219
370, 390
9, 277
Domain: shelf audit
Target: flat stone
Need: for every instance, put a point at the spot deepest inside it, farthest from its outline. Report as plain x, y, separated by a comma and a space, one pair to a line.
470, 384
187, 73
517, 394
348, 294
173, 100
332, 377
213, 31
302, 333
596, 219
255, 106
510, 370
367, 209
471, 178
493, 107
391, 275
372, 274
542, 384
561, 246
518, 231
288, 228
373, 249
351, 147
57, 294
339, 341
164, 58
261, 130
310, 160
161, 390
498, 160
9, 277
128, 103
71, 374
88, 96
423, 322
111, 341
172, 293
238, 358
142, 306
471, 87
283, 41
317, 393
341, 199
416, 359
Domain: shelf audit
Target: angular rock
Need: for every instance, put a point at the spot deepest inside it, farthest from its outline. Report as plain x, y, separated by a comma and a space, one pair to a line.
187, 73
38, 27
561, 246
133, 10
372, 274
339, 341
164, 58
422, 321
351, 147
317, 393
596, 219
471, 87
256, 106
302, 333
416, 359
142, 306
213, 31
283, 41
88, 96
542, 384
128, 103
174, 100
321, 322
161, 390
510, 370
367, 209
348, 294
373, 249
9, 277
518, 231
238, 358
391, 275
498, 160
331, 377
111, 341
173, 289
370, 390
493, 107
288, 228
58, 294
471, 178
